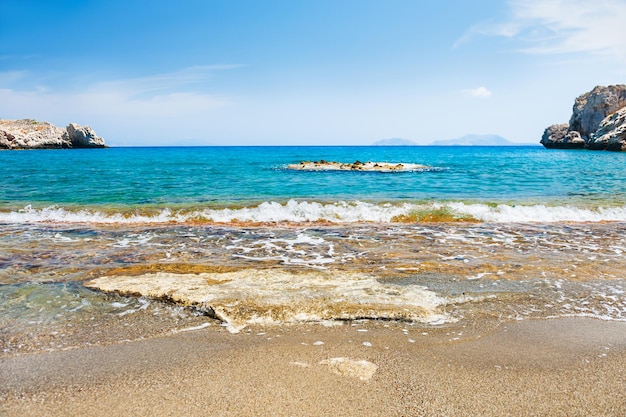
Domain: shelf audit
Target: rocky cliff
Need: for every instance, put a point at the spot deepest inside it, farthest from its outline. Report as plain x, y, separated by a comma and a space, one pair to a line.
598, 122
31, 134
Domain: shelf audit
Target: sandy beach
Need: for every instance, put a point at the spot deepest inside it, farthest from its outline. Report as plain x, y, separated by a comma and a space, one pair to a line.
559, 367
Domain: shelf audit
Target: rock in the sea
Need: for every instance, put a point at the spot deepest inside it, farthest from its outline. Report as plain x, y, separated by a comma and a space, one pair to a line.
597, 122
559, 137
31, 134
323, 165
83, 137
611, 134
591, 108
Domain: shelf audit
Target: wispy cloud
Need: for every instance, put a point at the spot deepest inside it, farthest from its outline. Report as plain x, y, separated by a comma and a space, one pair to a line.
479, 92
561, 26
149, 103
507, 29
8, 77
163, 82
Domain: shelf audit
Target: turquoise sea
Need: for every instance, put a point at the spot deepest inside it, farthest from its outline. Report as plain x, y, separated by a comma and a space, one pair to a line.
482, 234
235, 177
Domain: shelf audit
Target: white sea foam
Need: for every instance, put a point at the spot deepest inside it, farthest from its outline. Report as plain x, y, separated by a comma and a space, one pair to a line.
311, 211
304, 211
504, 213
193, 328
288, 251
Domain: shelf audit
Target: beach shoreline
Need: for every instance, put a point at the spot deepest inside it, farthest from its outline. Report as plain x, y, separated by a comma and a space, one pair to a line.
566, 366
447, 291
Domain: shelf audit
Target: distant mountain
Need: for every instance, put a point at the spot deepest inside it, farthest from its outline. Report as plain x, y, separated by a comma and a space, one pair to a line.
467, 140
477, 140
395, 142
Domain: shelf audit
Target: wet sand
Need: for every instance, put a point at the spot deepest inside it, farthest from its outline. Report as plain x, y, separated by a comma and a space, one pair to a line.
560, 367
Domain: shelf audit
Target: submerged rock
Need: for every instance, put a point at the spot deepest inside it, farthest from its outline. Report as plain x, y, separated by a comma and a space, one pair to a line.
31, 134
275, 296
597, 122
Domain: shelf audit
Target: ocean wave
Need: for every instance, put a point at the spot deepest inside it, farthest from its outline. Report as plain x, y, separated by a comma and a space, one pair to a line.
539, 213
334, 212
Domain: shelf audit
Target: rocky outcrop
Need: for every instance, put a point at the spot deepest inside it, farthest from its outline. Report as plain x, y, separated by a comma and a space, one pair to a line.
598, 122
83, 137
558, 136
31, 134
611, 134
591, 108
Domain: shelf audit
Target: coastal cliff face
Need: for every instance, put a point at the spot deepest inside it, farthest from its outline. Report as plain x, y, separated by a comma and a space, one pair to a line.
598, 122
31, 134
611, 133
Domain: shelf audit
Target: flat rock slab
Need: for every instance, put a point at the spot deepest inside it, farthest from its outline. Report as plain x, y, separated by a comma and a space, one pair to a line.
256, 296
323, 165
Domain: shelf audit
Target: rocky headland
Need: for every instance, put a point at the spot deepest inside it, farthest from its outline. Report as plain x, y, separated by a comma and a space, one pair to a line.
598, 122
31, 134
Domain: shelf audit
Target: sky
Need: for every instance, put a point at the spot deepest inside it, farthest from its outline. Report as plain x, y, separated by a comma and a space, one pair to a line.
307, 72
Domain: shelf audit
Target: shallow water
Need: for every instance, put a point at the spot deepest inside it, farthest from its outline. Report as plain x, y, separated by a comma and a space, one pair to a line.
474, 271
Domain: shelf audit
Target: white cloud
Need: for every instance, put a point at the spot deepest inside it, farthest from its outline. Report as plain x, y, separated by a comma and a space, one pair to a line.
479, 92
562, 26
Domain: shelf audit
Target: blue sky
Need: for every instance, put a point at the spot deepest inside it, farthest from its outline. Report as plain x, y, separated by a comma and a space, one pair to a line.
323, 72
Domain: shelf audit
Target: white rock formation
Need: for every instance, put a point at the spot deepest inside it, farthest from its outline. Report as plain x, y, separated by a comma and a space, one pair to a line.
31, 134
83, 137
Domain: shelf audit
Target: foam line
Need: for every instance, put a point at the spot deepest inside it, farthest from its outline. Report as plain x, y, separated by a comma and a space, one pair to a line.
335, 212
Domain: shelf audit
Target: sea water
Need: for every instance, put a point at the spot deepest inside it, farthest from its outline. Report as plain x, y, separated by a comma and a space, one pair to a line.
227, 176
505, 232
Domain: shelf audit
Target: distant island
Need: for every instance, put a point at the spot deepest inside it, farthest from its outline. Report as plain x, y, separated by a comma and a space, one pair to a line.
395, 142
32, 134
476, 140
467, 140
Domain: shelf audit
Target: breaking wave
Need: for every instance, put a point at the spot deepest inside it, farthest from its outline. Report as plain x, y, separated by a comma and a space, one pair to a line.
333, 212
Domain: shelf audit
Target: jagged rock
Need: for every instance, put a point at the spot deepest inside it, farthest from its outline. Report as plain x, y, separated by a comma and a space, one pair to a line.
31, 134
559, 137
611, 134
597, 122
591, 108
574, 140
554, 133
83, 137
